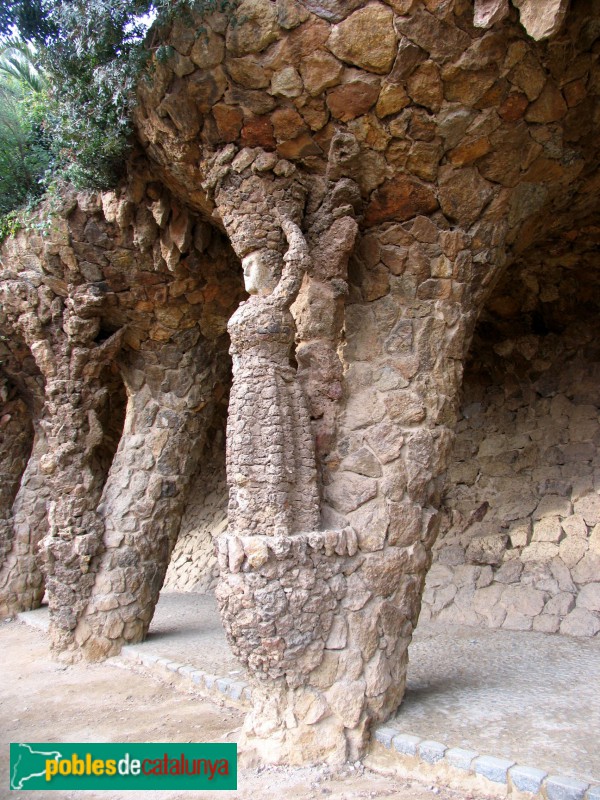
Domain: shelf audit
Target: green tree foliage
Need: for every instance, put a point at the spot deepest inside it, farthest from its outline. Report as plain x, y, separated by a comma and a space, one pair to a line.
94, 51
27, 16
18, 63
24, 141
96, 67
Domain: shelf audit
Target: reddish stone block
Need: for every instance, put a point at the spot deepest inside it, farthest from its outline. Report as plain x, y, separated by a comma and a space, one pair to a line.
258, 132
400, 199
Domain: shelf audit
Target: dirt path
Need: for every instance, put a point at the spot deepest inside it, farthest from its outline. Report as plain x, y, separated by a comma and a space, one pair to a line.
41, 700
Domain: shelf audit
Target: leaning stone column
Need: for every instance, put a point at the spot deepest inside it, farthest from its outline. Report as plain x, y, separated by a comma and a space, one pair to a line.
16, 436
147, 488
72, 366
417, 287
15, 445
21, 578
61, 485
23, 492
22, 495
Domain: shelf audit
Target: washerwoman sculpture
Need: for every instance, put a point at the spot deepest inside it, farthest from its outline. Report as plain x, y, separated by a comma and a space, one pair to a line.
270, 451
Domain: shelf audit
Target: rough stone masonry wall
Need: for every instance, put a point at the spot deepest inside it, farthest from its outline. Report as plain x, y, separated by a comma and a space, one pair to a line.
194, 566
520, 547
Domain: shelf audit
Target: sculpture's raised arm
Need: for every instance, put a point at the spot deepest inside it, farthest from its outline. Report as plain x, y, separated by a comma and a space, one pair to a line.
295, 263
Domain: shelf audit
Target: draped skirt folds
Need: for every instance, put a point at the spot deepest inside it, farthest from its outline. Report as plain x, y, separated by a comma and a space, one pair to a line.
270, 453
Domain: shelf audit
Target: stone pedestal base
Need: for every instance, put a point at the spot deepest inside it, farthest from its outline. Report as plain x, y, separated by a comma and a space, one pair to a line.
278, 596
296, 726
322, 671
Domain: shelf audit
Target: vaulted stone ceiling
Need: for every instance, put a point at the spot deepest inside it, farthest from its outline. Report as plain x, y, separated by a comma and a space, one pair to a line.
455, 109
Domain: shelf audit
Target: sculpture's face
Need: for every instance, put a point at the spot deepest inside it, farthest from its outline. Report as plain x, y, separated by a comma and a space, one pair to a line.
258, 274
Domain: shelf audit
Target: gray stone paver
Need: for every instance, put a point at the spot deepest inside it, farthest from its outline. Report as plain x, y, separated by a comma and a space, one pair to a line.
384, 735
431, 752
562, 788
527, 779
460, 758
406, 744
492, 768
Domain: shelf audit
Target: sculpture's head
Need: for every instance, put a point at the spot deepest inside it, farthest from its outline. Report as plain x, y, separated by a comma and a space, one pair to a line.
262, 270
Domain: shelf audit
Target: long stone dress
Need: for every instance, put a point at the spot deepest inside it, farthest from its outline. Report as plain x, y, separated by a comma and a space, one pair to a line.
270, 451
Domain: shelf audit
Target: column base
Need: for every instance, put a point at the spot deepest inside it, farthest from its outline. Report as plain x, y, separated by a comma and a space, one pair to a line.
278, 596
296, 727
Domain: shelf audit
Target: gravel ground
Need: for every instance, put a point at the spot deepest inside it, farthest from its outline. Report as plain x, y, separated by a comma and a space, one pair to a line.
43, 701
530, 697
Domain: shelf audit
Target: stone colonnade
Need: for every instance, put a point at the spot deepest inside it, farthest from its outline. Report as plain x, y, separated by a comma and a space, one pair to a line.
418, 149
97, 311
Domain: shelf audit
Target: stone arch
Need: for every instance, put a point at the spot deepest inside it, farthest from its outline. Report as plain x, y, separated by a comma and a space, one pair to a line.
520, 547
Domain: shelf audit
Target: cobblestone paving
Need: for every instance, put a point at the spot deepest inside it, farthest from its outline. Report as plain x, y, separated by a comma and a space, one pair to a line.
186, 627
530, 697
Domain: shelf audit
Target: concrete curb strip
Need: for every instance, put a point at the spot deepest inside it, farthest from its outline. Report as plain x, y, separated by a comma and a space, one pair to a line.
232, 692
531, 780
